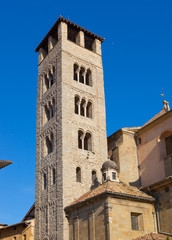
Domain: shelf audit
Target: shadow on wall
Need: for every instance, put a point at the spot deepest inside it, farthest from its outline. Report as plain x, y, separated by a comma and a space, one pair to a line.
96, 184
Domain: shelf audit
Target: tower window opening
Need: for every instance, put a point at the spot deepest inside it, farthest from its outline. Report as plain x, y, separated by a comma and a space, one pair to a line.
89, 42
53, 176
24, 237
81, 75
54, 74
53, 107
47, 113
80, 139
44, 181
88, 78
94, 177
78, 174
89, 110
104, 176
88, 142
51, 80
75, 72
82, 108
49, 144
76, 104
46, 82
72, 33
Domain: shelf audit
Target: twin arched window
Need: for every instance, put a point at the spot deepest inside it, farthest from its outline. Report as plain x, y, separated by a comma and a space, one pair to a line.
82, 107
80, 74
49, 110
84, 141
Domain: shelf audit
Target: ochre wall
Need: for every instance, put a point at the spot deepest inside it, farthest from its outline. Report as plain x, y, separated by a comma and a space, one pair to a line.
110, 218
120, 226
18, 232
125, 155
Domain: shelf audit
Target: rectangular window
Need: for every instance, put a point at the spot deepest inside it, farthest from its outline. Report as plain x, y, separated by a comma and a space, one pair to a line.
24, 237
136, 221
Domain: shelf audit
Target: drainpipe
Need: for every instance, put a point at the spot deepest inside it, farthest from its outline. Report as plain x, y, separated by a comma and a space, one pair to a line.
138, 164
157, 214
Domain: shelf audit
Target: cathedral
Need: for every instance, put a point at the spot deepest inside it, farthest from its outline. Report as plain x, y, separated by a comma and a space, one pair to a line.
89, 187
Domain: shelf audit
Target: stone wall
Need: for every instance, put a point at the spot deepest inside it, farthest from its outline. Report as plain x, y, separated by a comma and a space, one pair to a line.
66, 157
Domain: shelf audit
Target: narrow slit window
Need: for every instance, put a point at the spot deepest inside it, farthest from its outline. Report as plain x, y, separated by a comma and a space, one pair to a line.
78, 174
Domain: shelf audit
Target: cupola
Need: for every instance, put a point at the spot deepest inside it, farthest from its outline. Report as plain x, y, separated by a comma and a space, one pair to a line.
109, 171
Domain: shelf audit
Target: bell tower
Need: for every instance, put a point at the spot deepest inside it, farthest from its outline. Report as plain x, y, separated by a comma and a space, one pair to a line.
71, 140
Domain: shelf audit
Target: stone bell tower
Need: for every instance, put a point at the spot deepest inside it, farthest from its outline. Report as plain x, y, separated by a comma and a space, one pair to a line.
71, 130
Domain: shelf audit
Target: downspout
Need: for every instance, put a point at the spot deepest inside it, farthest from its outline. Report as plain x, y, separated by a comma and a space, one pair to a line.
138, 164
157, 214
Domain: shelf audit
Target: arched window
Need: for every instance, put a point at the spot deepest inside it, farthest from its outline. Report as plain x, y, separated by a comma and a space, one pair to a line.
82, 107
47, 113
89, 110
75, 72
81, 75
50, 79
88, 78
44, 181
78, 174
88, 142
46, 82
94, 177
53, 176
77, 104
80, 139
49, 144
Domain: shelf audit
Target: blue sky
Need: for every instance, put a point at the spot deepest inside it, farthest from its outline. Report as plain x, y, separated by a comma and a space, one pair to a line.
137, 60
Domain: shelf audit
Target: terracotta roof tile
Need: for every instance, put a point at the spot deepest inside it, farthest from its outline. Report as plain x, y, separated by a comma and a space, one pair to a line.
153, 236
116, 188
162, 112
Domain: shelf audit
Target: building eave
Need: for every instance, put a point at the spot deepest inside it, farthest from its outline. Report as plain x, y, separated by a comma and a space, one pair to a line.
4, 163
54, 28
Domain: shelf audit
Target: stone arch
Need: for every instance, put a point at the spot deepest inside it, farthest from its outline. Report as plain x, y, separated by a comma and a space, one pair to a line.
89, 109
75, 72
77, 104
83, 107
80, 138
88, 141
89, 77
82, 75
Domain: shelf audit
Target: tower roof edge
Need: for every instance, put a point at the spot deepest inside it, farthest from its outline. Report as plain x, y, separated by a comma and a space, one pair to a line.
54, 27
